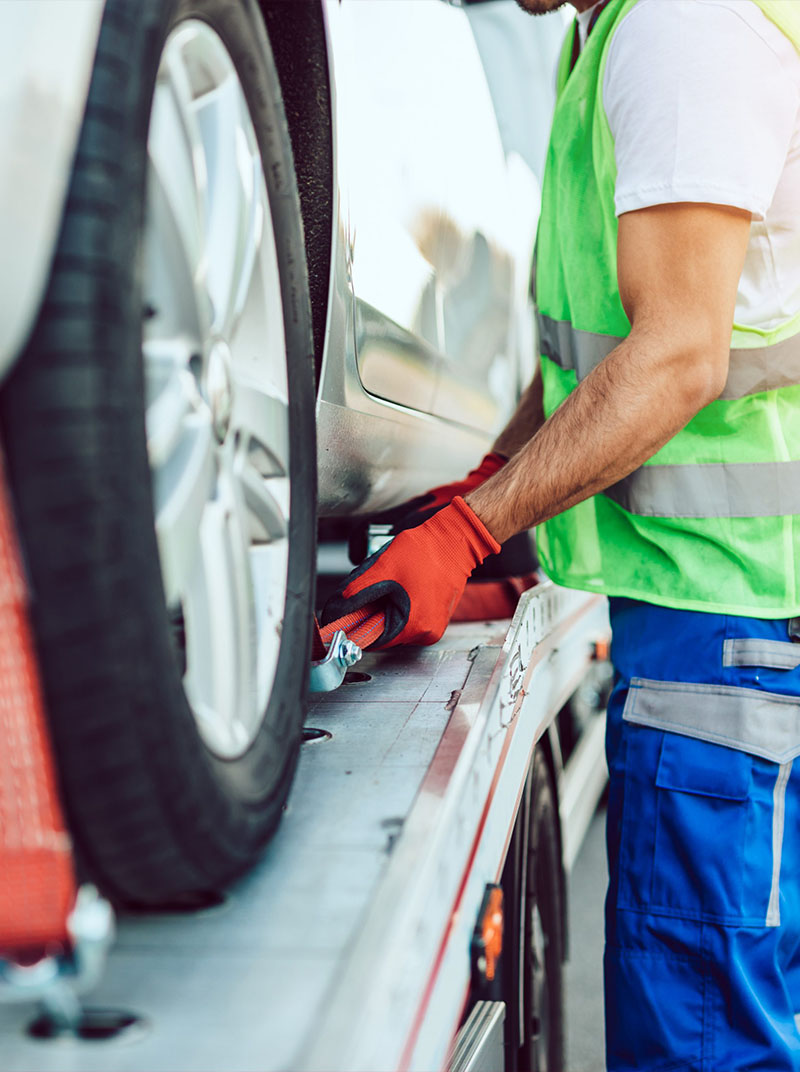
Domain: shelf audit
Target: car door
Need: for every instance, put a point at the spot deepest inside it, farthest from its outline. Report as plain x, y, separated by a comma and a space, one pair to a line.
392, 90
440, 238
479, 227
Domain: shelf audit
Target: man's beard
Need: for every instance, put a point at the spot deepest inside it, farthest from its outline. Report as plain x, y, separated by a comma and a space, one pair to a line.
540, 7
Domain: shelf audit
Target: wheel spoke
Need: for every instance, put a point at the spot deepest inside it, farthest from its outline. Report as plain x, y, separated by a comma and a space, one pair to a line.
219, 630
236, 199
268, 566
182, 486
268, 503
175, 242
263, 420
261, 423
171, 393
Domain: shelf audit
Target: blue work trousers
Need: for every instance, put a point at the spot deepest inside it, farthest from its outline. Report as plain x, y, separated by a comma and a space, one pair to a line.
702, 960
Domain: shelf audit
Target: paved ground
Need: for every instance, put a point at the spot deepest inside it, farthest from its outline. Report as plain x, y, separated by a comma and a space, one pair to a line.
584, 976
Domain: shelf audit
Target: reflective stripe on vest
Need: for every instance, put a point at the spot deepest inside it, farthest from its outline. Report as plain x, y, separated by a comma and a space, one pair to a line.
763, 368
750, 489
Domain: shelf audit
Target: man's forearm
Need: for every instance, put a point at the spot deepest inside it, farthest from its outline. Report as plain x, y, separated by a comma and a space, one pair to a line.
617, 418
528, 418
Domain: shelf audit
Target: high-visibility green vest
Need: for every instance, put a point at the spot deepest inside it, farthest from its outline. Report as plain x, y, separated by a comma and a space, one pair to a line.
712, 521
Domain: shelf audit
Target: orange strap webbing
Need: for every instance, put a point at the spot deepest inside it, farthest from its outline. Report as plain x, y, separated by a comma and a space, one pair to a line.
37, 882
362, 626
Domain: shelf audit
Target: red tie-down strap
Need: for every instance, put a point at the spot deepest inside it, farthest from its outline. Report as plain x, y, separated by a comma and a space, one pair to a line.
362, 626
482, 600
37, 880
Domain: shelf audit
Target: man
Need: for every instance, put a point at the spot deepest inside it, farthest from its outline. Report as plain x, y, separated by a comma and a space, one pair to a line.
658, 449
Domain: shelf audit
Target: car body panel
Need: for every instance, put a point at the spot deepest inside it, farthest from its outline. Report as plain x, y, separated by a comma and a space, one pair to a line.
372, 454
433, 235
46, 53
428, 205
389, 120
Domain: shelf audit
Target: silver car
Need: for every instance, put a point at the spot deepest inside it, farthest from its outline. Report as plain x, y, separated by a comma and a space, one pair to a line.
263, 263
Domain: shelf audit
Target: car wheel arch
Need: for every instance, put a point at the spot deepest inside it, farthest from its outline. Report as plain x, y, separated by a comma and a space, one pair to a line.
299, 41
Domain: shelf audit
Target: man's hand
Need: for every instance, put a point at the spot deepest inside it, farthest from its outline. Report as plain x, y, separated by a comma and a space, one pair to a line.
418, 578
678, 268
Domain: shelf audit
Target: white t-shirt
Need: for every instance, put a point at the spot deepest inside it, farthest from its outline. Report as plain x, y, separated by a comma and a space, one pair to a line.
703, 100
584, 18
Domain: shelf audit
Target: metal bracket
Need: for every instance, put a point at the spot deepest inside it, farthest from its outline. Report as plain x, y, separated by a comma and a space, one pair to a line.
56, 981
327, 674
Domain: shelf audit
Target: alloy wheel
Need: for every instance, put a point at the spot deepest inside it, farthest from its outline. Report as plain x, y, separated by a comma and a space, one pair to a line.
217, 415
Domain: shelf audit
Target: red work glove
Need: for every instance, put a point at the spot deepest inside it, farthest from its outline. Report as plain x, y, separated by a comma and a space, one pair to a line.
424, 506
418, 578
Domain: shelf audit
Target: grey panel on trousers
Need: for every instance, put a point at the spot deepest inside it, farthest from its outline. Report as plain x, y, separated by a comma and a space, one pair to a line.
752, 651
761, 723
778, 818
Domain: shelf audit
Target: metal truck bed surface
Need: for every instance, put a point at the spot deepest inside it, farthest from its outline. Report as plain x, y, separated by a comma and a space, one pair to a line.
348, 946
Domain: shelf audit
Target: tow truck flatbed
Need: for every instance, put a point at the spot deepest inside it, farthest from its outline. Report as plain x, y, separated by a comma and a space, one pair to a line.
348, 946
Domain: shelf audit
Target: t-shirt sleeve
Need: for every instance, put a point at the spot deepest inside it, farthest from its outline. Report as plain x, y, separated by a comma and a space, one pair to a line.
700, 104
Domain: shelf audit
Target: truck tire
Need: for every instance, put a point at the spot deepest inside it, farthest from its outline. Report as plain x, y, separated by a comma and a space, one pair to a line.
534, 951
169, 384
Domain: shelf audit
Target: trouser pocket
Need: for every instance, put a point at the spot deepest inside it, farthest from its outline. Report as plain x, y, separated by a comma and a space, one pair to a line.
654, 1010
702, 822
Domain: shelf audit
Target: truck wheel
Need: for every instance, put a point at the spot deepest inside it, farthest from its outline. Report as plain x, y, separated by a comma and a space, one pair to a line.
534, 952
160, 439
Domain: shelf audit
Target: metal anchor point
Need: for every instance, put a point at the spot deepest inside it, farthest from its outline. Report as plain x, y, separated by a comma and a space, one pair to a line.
327, 674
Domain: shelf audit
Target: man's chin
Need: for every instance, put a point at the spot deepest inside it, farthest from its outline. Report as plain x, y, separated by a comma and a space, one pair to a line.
540, 7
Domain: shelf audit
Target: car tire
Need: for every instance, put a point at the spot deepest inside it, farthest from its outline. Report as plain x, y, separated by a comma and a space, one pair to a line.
159, 815
533, 957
